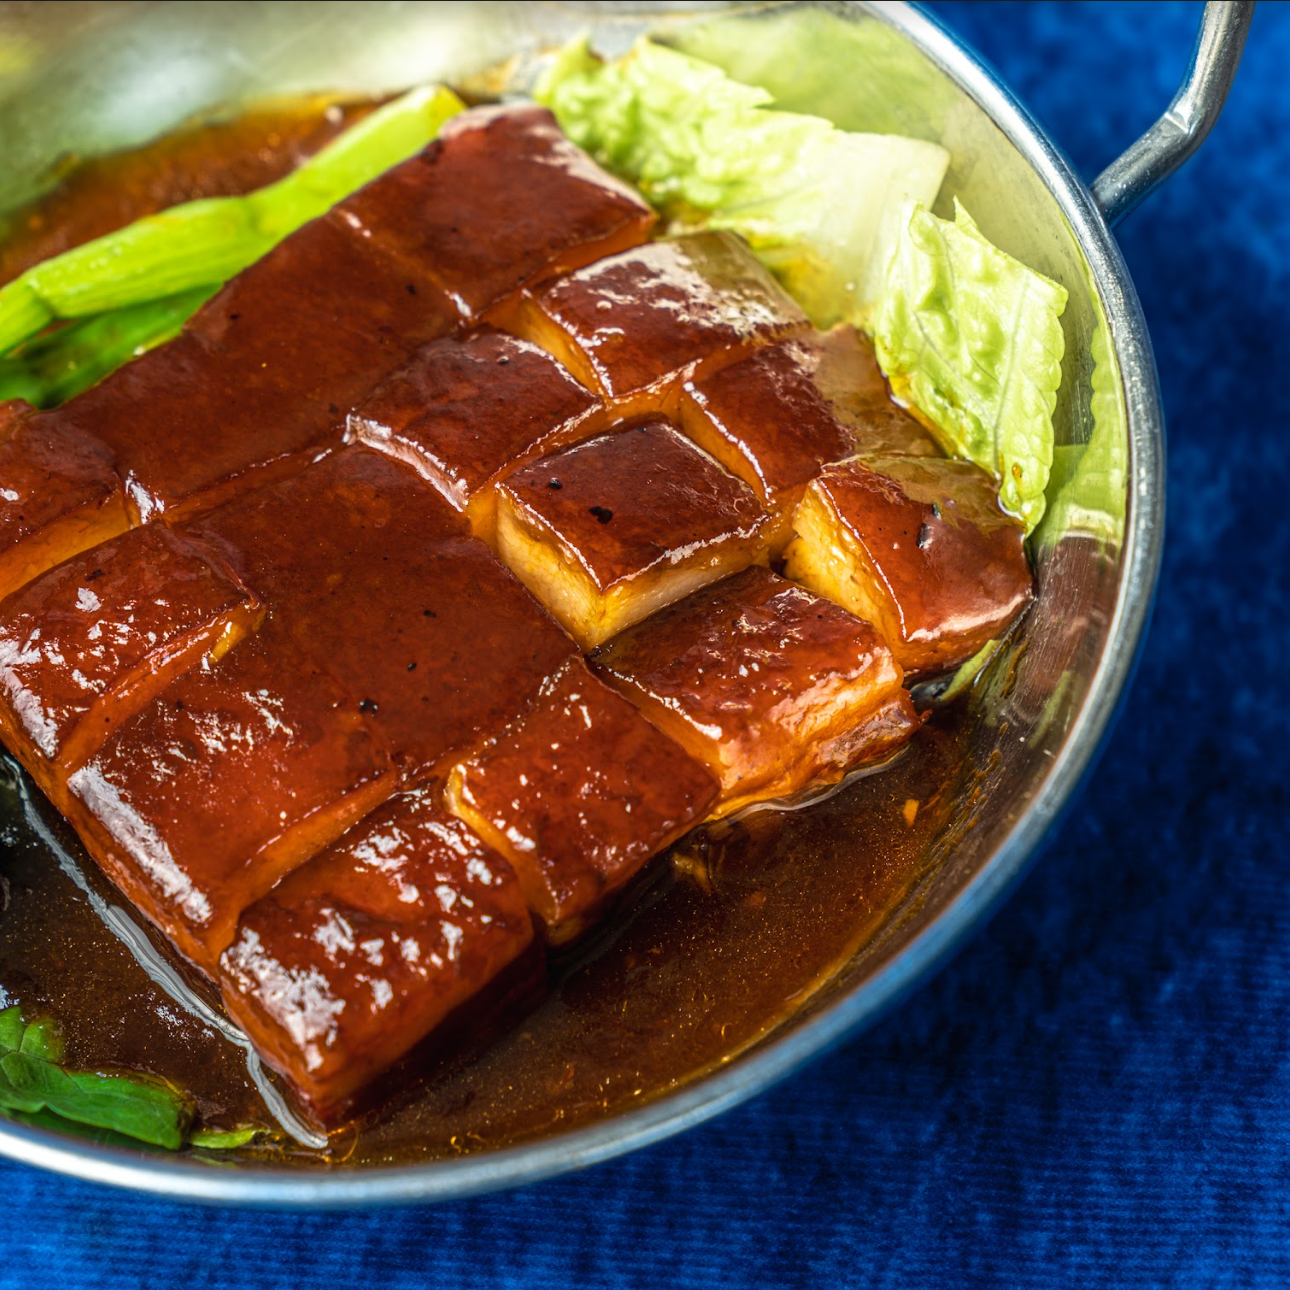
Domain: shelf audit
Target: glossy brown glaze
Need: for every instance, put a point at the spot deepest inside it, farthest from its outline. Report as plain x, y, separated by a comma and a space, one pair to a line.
263, 375
464, 411
228, 780
609, 530
59, 495
578, 794
89, 643
771, 687
501, 199
376, 578
918, 546
212, 159
636, 324
358, 955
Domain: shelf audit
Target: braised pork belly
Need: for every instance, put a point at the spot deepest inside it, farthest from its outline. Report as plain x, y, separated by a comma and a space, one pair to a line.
293, 608
635, 325
919, 547
771, 687
89, 643
356, 957
59, 495
466, 411
608, 531
578, 794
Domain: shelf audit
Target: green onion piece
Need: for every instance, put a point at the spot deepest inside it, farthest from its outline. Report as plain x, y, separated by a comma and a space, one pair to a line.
208, 241
22, 313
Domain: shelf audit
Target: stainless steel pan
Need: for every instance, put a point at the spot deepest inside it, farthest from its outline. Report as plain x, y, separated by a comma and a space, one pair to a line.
98, 77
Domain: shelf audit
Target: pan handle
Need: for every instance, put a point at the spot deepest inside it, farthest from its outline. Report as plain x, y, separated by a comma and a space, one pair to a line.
1129, 179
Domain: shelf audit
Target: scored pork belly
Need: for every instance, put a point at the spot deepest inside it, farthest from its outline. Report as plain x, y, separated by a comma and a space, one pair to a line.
263, 375
773, 688
229, 779
463, 411
500, 200
918, 546
776, 417
59, 495
578, 794
357, 956
608, 531
89, 643
376, 576
632, 327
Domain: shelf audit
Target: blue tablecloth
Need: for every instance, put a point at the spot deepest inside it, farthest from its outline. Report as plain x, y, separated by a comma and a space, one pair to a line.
1097, 1091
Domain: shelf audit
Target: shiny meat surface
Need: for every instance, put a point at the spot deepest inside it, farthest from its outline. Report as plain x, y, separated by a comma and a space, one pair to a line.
264, 373
578, 794
358, 955
609, 530
918, 546
772, 687
228, 780
501, 199
636, 324
463, 411
376, 578
90, 642
59, 494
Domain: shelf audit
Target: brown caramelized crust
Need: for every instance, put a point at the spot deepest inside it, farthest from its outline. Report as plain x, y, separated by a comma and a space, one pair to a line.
462, 412
376, 577
608, 531
358, 955
92, 641
229, 779
634, 326
501, 199
918, 546
578, 793
59, 495
263, 375
771, 687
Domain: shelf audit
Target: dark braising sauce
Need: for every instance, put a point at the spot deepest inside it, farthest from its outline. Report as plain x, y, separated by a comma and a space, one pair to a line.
736, 927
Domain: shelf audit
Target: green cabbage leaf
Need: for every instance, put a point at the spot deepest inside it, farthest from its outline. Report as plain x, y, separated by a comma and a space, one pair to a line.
819, 206
971, 340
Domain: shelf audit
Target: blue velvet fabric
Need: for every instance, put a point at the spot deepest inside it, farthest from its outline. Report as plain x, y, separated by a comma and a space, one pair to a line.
1097, 1090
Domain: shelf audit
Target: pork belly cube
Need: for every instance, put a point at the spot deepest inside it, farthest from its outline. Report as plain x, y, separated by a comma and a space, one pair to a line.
376, 576
463, 412
771, 687
59, 494
608, 531
578, 794
917, 546
229, 779
89, 643
357, 956
636, 325
501, 199
261, 379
